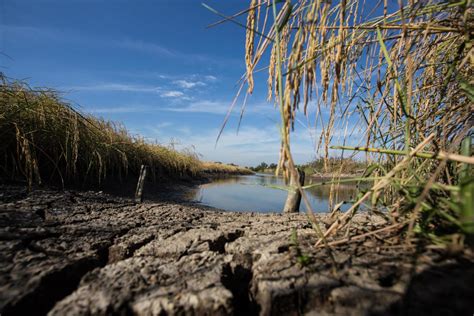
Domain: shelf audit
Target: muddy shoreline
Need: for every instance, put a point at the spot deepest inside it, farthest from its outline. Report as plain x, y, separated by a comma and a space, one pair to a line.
77, 253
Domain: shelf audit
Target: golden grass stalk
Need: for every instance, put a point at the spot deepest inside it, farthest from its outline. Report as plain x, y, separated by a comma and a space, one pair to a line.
399, 77
249, 45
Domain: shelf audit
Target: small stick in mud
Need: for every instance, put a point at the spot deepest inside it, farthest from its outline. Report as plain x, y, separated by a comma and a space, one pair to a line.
293, 200
140, 184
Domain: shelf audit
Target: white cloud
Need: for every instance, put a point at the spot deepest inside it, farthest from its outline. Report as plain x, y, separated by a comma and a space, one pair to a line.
210, 78
205, 106
187, 84
172, 94
77, 37
114, 87
222, 107
158, 129
250, 146
142, 46
164, 124
119, 109
189, 78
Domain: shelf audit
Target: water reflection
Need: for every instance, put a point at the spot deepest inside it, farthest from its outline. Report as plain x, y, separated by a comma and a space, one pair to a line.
252, 193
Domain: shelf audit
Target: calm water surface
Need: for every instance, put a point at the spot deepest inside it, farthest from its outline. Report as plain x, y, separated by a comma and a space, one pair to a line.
251, 193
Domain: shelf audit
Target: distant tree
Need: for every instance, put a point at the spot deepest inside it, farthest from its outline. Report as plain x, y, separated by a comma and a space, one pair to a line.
350, 165
261, 167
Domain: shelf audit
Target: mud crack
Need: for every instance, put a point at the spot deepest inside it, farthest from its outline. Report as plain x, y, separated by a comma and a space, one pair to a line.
218, 245
237, 279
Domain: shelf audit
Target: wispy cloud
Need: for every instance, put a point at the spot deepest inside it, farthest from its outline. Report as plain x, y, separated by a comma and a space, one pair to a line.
159, 129
30, 31
212, 107
78, 37
251, 145
168, 130
118, 109
186, 79
172, 94
143, 46
114, 87
210, 78
221, 107
187, 84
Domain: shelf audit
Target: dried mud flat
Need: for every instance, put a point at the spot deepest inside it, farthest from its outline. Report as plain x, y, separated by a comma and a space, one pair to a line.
86, 253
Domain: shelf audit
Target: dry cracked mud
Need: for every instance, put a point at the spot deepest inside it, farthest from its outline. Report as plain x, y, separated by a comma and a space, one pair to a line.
88, 253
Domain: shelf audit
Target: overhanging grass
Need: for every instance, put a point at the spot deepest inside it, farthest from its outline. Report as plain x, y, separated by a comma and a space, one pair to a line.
394, 76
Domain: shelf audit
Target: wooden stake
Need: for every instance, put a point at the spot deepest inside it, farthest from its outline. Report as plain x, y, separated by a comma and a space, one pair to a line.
293, 200
140, 185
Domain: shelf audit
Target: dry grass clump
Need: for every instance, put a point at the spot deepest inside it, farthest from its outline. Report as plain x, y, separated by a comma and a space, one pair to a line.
400, 70
220, 168
43, 139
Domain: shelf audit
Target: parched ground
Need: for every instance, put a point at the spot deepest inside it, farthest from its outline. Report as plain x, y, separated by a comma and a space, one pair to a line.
86, 253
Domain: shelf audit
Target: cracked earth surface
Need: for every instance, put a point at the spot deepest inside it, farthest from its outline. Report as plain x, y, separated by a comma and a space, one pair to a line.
88, 253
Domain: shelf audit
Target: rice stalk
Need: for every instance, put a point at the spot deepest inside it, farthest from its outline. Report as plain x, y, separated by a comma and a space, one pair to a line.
249, 45
402, 74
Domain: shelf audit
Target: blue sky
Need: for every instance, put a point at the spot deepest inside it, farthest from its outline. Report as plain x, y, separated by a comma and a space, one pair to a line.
152, 65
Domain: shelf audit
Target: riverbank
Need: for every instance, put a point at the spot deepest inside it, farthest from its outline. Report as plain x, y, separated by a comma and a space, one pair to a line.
70, 253
217, 169
321, 175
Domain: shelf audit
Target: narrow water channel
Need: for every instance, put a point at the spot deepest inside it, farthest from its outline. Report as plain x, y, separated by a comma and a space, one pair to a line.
254, 193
